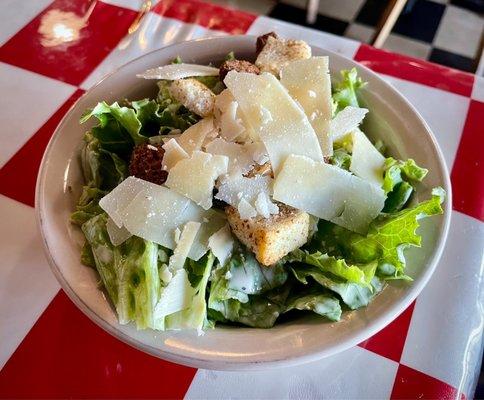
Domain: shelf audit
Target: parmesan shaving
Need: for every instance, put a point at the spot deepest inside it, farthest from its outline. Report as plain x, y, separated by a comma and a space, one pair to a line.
308, 82
221, 243
274, 115
183, 246
173, 153
195, 177
328, 192
178, 71
346, 121
193, 138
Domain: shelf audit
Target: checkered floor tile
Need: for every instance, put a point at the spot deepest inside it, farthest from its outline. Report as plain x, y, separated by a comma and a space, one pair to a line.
442, 31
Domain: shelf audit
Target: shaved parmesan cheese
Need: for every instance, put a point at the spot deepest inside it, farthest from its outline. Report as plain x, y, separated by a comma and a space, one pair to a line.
328, 192
246, 211
183, 246
282, 126
240, 160
221, 243
230, 125
346, 121
366, 161
239, 187
223, 100
173, 153
193, 138
213, 221
177, 296
228, 117
117, 235
156, 212
308, 82
258, 151
195, 177
117, 199
264, 206
178, 71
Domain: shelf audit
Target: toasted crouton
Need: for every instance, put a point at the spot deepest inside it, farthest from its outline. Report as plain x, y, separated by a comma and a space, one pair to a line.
194, 95
264, 169
237, 65
279, 52
271, 238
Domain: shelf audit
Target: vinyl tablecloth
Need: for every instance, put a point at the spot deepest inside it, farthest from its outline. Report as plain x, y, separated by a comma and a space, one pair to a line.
53, 51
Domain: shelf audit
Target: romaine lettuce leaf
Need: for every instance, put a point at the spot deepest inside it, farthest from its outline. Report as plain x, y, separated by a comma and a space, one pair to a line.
353, 295
319, 301
345, 91
147, 112
242, 276
396, 171
129, 272
195, 316
115, 123
330, 265
388, 236
259, 311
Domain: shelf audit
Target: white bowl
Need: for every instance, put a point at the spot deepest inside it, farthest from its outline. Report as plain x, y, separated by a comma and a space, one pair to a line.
309, 338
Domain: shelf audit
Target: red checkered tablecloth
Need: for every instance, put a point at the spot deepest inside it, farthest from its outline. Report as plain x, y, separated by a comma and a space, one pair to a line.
48, 349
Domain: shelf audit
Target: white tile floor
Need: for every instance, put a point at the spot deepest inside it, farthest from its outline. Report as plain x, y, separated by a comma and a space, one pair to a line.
459, 32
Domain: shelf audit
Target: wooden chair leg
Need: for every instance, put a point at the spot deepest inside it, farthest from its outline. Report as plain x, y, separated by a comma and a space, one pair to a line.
312, 11
387, 21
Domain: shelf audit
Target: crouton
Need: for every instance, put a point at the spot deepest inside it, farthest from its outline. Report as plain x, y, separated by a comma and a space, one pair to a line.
262, 41
271, 238
279, 52
237, 65
146, 161
194, 95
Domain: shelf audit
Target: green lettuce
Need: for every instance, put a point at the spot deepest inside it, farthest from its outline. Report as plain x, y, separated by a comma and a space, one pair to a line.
346, 91
243, 291
398, 180
195, 315
118, 130
259, 311
319, 301
388, 236
353, 295
331, 265
341, 158
129, 272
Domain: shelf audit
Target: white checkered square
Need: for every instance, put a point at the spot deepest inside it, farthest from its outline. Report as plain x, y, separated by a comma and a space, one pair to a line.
29, 100
445, 112
339, 376
16, 14
454, 297
26, 283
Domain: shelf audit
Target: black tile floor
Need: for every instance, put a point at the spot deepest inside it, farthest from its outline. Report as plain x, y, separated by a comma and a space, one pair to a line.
448, 32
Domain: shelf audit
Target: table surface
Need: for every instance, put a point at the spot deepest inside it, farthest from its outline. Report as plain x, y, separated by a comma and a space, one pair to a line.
53, 51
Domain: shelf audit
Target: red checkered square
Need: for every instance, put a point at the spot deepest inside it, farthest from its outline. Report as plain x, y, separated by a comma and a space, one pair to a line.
411, 69
390, 340
65, 355
205, 14
413, 384
18, 176
467, 177
70, 62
